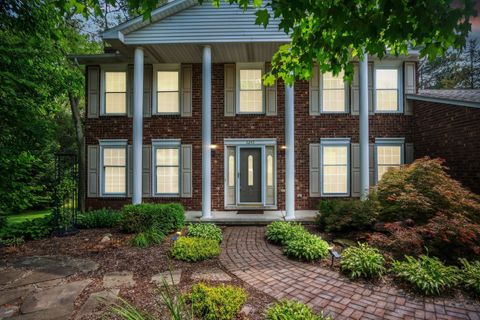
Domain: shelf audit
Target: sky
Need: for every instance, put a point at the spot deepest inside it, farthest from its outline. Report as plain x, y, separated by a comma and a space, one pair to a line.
476, 23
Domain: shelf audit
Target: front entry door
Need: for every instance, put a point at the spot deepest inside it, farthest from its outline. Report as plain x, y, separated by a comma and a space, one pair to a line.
250, 175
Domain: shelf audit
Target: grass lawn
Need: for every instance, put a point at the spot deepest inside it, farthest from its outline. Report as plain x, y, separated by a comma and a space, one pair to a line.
28, 215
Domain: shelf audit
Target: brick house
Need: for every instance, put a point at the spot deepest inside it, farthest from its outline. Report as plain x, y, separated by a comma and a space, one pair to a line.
176, 112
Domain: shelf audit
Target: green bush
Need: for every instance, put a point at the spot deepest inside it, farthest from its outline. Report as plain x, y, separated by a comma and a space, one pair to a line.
427, 274
166, 218
206, 231
306, 247
293, 310
103, 218
279, 232
3, 221
11, 242
148, 238
346, 215
221, 302
195, 249
29, 229
362, 261
470, 275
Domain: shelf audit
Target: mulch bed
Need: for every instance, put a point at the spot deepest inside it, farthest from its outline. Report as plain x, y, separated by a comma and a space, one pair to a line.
119, 255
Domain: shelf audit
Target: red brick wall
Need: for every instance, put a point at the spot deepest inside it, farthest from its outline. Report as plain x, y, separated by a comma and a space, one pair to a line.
309, 129
453, 133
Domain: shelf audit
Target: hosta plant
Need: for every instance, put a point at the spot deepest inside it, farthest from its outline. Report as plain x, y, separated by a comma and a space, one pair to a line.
426, 274
206, 231
279, 232
362, 261
306, 247
470, 275
293, 310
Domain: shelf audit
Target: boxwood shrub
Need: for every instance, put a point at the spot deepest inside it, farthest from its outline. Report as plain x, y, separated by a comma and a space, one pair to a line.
165, 218
103, 218
221, 302
195, 249
293, 310
426, 274
206, 231
362, 261
306, 247
279, 232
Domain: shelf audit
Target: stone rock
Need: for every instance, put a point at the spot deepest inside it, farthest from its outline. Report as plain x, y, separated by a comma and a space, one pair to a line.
214, 274
61, 265
8, 311
118, 279
53, 302
37, 277
13, 294
105, 239
170, 279
7, 276
97, 299
246, 309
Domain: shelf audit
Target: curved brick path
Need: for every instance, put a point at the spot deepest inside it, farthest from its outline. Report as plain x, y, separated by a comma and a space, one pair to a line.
247, 255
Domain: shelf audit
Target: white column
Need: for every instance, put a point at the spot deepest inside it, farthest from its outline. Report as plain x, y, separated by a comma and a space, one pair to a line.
137, 125
206, 132
289, 153
364, 157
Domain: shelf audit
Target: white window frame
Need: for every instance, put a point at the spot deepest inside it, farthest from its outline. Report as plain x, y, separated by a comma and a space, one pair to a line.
249, 66
335, 142
397, 142
345, 93
389, 66
108, 144
166, 144
112, 68
166, 67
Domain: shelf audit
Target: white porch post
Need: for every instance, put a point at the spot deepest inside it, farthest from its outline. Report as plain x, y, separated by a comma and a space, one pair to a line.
206, 132
137, 125
289, 153
364, 157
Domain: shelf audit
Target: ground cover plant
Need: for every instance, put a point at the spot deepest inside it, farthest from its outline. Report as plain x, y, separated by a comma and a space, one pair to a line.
427, 275
206, 231
148, 238
279, 232
470, 276
306, 247
102, 218
195, 249
362, 261
293, 310
221, 302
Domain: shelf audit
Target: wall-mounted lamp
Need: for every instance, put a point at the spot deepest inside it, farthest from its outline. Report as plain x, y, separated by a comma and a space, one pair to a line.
213, 147
283, 147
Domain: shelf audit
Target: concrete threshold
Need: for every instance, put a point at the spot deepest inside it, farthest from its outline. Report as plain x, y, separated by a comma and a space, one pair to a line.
233, 218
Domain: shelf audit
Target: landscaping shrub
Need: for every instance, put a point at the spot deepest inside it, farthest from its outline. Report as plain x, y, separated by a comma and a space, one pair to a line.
398, 239
293, 310
470, 276
221, 302
422, 189
362, 261
103, 218
426, 274
279, 232
29, 229
195, 249
11, 242
345, 215
3, 221
206, 231
166, 218
306, 247
148, 238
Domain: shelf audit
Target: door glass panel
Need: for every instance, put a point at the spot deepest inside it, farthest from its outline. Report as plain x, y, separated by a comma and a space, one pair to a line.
231, 171
250, 170
269, 170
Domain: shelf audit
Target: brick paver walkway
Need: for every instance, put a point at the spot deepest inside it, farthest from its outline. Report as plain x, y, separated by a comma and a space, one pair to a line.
247, 255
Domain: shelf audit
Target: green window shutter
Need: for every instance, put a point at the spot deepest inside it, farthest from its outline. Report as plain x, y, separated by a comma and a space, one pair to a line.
130, 91
271, 100
93, 91
146, 171
147, 90
371, 93
186, 170
129, 171
92, 171
186, 91
314, 92
355, 92
409, 153
371, 157
314, 176
355, 169
410, 84
229, 87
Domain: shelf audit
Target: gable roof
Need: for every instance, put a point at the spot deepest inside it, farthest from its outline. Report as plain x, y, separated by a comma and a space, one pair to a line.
185, 21
461, 97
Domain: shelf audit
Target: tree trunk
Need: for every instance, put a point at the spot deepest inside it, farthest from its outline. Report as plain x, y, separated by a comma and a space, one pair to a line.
77, 121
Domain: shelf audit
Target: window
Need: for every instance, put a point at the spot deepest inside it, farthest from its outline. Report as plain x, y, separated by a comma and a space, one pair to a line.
250, 95
166, 95
333, 93
115, 99
114, 168
389, 154
386, 90
335, 167
231, 170
167, 170
269, 170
